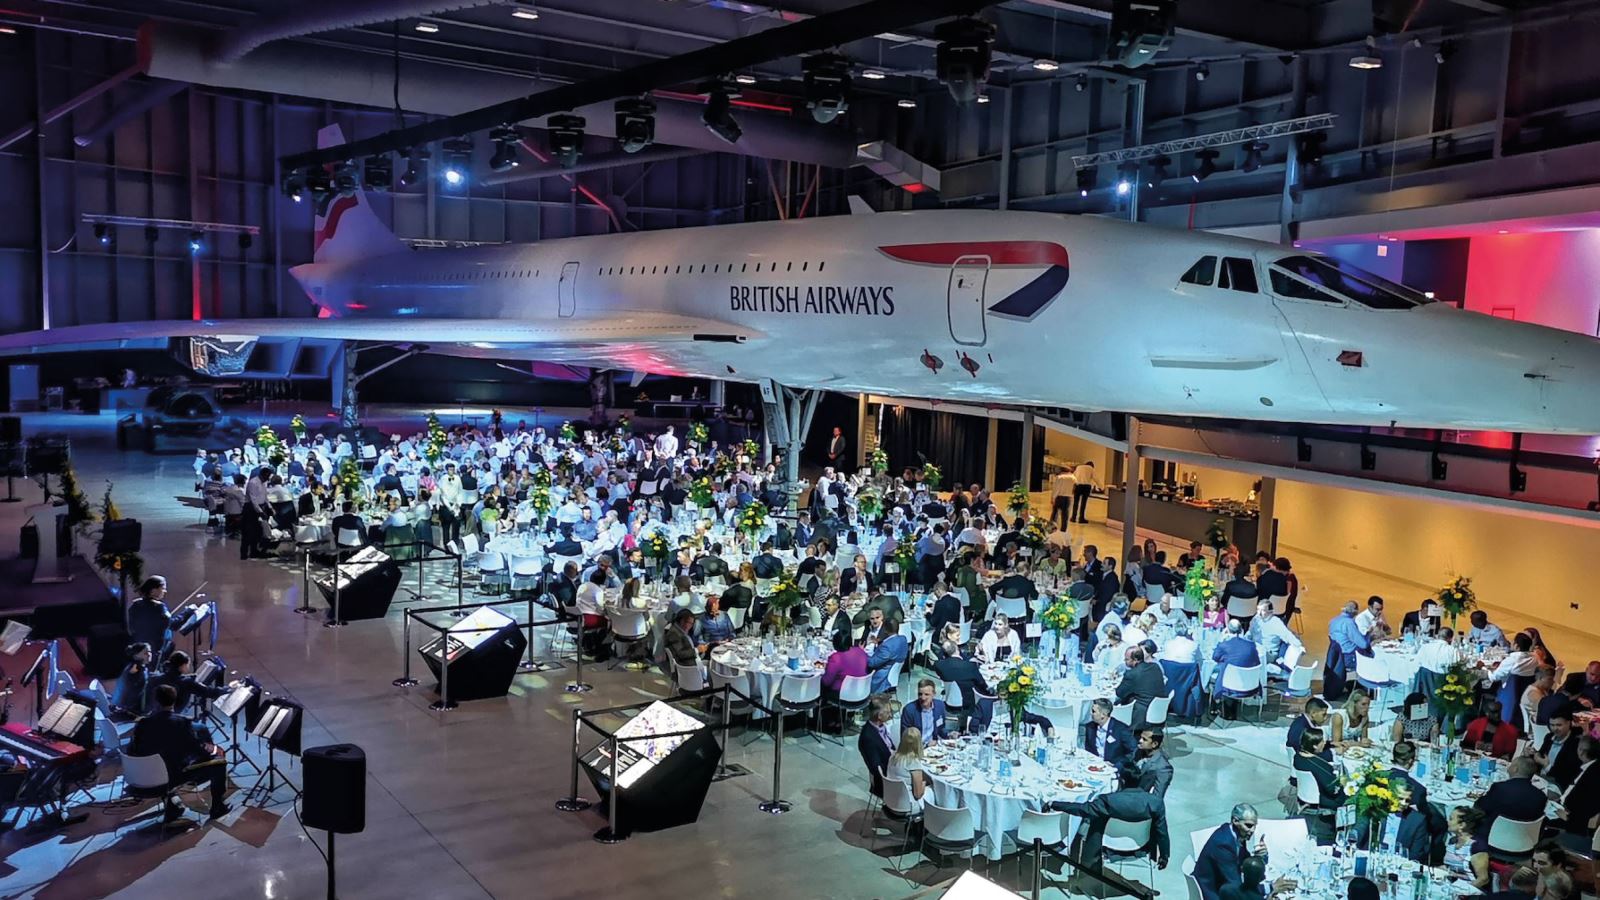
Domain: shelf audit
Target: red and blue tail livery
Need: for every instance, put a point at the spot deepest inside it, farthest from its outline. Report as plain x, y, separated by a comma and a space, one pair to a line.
1023, 304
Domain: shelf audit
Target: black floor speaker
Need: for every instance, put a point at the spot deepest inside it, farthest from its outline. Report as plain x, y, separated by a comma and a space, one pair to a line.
335, 788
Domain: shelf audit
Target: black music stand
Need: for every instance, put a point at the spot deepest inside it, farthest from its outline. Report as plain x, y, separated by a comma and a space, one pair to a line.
278, 722
230, 705
37, 675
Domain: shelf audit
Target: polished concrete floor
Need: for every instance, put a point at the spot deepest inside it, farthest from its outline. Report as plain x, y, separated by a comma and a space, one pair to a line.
461, 804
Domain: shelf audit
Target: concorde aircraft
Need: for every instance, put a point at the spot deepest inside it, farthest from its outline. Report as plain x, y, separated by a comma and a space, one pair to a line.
963, 305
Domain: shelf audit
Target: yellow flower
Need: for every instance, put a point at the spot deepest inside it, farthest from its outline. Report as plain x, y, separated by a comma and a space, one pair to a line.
1450, 678
1027, 670
1022, 680
1372, 790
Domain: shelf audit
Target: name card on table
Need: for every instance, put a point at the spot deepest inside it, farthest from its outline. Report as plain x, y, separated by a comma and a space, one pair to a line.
1416, 712
1463, 774
1344, 817
890, 568
1024, 552
1033, 630
1420, 770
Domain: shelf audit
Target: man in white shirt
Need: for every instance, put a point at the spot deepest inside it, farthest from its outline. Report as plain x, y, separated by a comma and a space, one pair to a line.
667, 444
1272, 638
1083, 485
1061, 496
1180, 648
1439, 653
590, 601
1371, 621
1519, 662
1115, 615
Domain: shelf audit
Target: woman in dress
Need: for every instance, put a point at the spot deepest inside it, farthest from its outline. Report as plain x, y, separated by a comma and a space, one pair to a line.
1459, 856
1215, 617
1111, 649
1349, 723
999, 642
1419, 730
906, 765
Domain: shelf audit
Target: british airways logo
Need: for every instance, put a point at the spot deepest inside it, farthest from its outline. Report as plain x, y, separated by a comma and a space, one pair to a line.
1023, 304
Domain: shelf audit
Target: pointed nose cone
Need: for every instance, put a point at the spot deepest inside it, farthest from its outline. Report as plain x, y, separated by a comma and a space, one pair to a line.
1517, 376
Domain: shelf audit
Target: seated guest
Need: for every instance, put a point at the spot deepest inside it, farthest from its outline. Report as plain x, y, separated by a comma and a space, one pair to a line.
177, 741
1213, 617
1515, 798
1361, 889
132, 696
1167, 615
1524, 885
590, 602
855, 578
893, 649
742, 592
877, 629
1415, 722
927, 713
1555, 886
1557, 755
1567, 698
1155, 768
1464, 855
715, 626
1180, 648
1116, 616
1581, 800
347, 520
999, 642
1217, 866
1313, 716
906, 764
315, 500
1309, 760
1485, 632
1549, 857
875, 743
1490, 734
176, 675
1272, 638
1106, 737
1234, 650
1413, 839
946, 610
953, 668
893, 613
1252, 882
1129, 803
1141, 682
848, 660
1424, 621
835, 622
680, 642
1351, 721
1542, 686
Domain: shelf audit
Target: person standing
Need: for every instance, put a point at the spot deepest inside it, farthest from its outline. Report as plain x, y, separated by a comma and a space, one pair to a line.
1083, 485
836, 450
1061, 495
149, 619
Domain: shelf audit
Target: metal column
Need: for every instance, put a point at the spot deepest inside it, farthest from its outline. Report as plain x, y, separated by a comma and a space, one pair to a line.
1134, 116
1026, 476
862, 422
1267, 500
40, 115
1130, 497
1005, 158
1291, 169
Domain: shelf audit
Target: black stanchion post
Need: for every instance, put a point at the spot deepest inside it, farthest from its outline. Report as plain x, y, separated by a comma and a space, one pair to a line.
572, 802
722, 761
444, 702
777, 805
337, 621
609, 834
421, 556
527, 662
1038, 867
460, 590
332, 891
579, 686
305, 607
405, 680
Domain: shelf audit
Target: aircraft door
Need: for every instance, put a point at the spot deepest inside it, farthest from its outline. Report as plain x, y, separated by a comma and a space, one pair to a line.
567, 291
968, 276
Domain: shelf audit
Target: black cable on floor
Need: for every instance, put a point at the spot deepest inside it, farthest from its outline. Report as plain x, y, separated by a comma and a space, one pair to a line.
307, 832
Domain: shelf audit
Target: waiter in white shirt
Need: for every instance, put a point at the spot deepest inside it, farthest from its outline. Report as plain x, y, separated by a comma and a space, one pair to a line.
667, 444
1061, 491
1083, 485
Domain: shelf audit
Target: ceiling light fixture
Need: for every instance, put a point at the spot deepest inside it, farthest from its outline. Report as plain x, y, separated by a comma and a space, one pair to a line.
1202, 72
744, 78
1082, 84
873, 74
1086, 180
1208, 165
1369, 58
636, 123
983, 98
566, 138
505, 140
827, 85
1252, 155
962, 58
427, 28
906, 103
1046, 65
524, 11
718, 116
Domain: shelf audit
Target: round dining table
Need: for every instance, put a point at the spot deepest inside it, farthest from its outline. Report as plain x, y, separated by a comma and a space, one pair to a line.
1470, 778
1325, 872
957, 776
765, 661
1063, 699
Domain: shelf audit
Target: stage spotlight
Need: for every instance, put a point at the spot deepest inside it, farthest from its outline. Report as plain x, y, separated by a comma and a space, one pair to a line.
636, 123
102, 234
1368, 58
1208, 164
377, 173
416, 166
1139, 30
1156, 171
1252, 155
1086, 180
963, 55
827, 85
1127, 173
245, 240
457, 157
197, 242
566, 138
717, 115
1045, 65
1444, 51
1311, 148
294, 186
345, 181
523, 9
983, 98
744, 78
505, 149
906, 103
874, 74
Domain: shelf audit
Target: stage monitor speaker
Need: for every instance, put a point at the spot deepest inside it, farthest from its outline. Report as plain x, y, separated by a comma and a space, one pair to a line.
121, 536
335, 788
10, 430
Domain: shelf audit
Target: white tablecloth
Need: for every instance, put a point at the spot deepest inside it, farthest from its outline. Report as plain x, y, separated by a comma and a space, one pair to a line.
1065, 699
1448, 794
1321, 877
748, 656
997, 804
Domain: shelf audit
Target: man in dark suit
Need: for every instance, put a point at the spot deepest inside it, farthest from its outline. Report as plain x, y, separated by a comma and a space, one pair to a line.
893, 649
836, 449
1557, 756
953, 668
1155, 769
1217, 866
1414, 836
1235, 650
765, 564
1315, 715
803, 531
927, 714
856, 578
876, 743
712, 565
1130, 804
1142, 682
893, 613
835, 621
1563, 699
176, 675
1240, 586
347, 520
175, 739
1515, 798
564, 587
1106, 737
946, 610
1582, 799
1524, 885
1018, 585
1156, 572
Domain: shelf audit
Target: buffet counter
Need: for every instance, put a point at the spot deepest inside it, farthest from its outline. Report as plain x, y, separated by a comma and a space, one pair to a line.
1186, 520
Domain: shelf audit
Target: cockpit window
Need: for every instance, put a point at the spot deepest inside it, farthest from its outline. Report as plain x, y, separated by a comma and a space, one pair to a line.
1238, 274
1346, 280
1203, 273
1284, 286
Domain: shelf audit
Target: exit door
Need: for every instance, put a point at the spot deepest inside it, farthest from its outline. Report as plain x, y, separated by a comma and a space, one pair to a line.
968, 276
567, 290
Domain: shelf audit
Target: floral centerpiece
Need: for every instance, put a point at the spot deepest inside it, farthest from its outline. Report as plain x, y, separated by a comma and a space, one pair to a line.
79, 515
869, 502
1019, 499
297, 427
541, 477
1061, 616
1369, 791
438, 439
1453, 696
699, 434
931, 476
348, 479
701, 494
785, 597
750, 449
624, 427
568, 433
752, 519
1457, 598
656, 547
1018, 688
1198, 586
127, 565
271, 446
540, 500
879, 461
905, 556
1035, 534
617, 444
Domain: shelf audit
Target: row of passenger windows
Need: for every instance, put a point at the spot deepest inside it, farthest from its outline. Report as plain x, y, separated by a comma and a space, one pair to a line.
1235, 274
709, 268
481, 275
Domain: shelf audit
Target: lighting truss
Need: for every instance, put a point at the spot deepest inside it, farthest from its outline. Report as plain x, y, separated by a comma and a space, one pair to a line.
171, 224
1214, 139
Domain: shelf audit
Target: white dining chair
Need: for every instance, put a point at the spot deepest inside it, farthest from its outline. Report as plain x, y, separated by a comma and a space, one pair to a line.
1242, 608
1511, 839
1156, 713
1127, 840
949, 831
736, 616
688, 678
854, 692
629, 629
1248, 682
899, 805
1123, 713
1308, 793
802, 694
1047, 829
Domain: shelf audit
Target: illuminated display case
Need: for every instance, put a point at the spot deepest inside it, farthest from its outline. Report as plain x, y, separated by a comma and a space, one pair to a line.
666, 757
365, 582
481, 651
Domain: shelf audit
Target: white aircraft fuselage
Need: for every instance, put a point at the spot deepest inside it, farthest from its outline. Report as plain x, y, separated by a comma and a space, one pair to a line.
1004, 308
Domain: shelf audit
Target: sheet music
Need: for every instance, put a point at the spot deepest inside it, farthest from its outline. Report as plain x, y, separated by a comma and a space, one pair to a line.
12, 638
264, 723
234, 700
71, 720
52, 716
207, 670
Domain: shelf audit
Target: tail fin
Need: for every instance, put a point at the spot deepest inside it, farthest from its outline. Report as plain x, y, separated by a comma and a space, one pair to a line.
348, 228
